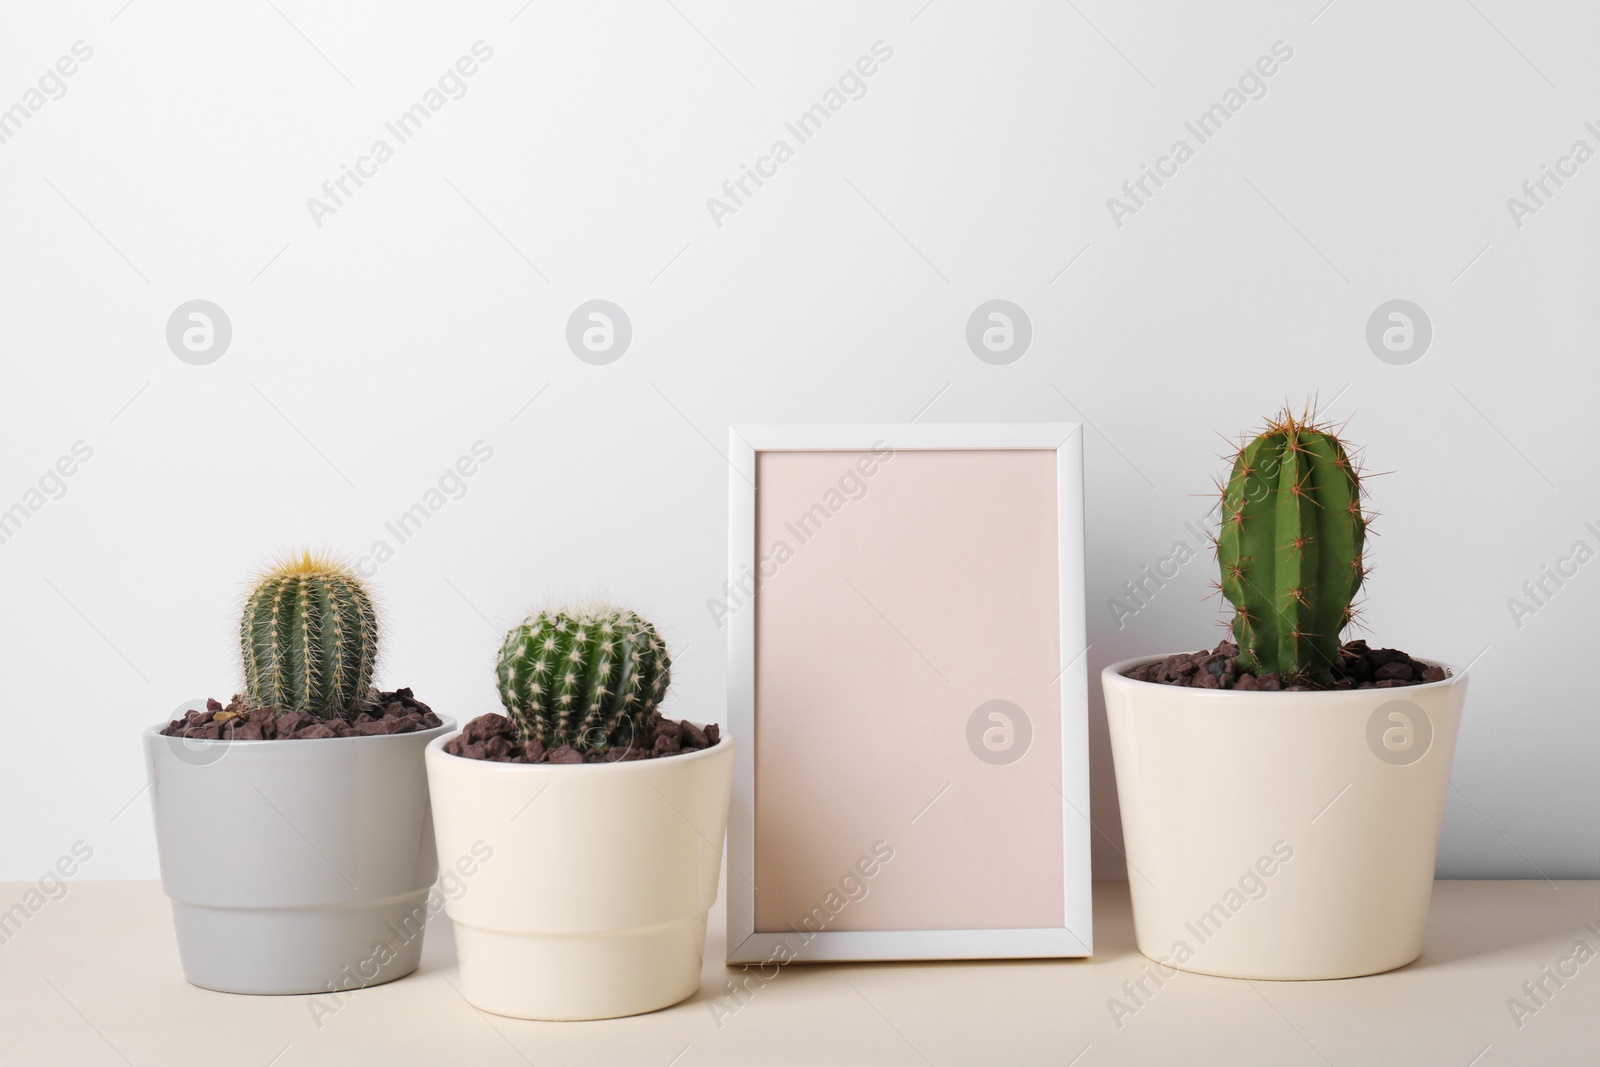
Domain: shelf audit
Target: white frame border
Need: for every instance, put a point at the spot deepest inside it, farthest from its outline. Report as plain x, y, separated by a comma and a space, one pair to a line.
1076, 936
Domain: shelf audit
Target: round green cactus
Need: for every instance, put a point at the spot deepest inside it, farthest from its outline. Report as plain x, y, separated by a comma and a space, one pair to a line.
308, 636
1290, 547
588, 677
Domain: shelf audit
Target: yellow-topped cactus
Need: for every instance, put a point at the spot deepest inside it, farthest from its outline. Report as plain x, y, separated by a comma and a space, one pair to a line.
308, 636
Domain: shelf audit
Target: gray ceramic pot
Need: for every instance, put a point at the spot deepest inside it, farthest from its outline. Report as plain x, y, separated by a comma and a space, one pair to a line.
295, 866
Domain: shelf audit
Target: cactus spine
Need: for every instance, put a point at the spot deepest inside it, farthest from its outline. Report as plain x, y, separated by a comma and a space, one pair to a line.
590, 678
1290, 547
308, 636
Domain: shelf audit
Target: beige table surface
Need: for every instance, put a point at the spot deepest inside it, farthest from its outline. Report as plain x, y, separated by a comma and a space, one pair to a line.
93, 978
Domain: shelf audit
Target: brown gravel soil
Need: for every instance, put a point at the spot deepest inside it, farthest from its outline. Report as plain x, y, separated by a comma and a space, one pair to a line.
391, 713
1359, 667
494, 737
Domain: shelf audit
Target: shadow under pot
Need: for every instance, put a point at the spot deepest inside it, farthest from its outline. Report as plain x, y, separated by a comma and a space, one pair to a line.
295, 866
590, 882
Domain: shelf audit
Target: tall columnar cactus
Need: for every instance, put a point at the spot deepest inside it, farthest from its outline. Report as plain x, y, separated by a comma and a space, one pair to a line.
1290, 547
309, 639
588, 677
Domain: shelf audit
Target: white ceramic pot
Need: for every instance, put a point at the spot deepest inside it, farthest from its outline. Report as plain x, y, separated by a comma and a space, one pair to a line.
592, 902
1281, 835
294, 866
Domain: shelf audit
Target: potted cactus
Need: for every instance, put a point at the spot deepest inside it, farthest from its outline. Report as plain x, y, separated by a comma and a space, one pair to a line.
606, 820
1282, 794
293, 825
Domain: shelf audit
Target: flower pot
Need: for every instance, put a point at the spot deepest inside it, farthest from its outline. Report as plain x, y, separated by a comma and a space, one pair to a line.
294, 866
594, 903
1281, 835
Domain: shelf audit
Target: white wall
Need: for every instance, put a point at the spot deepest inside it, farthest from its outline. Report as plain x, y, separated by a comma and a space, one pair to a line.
372, 351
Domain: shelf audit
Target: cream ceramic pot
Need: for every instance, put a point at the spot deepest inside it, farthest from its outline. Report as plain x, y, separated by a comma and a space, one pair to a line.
294, 866
591, 896
1281, 835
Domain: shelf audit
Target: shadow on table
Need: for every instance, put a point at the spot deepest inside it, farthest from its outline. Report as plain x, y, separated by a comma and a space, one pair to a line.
1480, 920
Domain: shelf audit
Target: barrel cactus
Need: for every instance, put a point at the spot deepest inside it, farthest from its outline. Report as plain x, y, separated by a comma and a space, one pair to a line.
1290, 547
308, 636
588, 677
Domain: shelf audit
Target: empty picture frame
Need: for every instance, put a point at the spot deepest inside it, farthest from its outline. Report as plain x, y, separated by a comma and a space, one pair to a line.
907, 680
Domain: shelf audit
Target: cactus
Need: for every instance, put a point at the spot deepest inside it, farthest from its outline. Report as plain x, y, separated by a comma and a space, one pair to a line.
308, 636
1290, 547
591, 678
